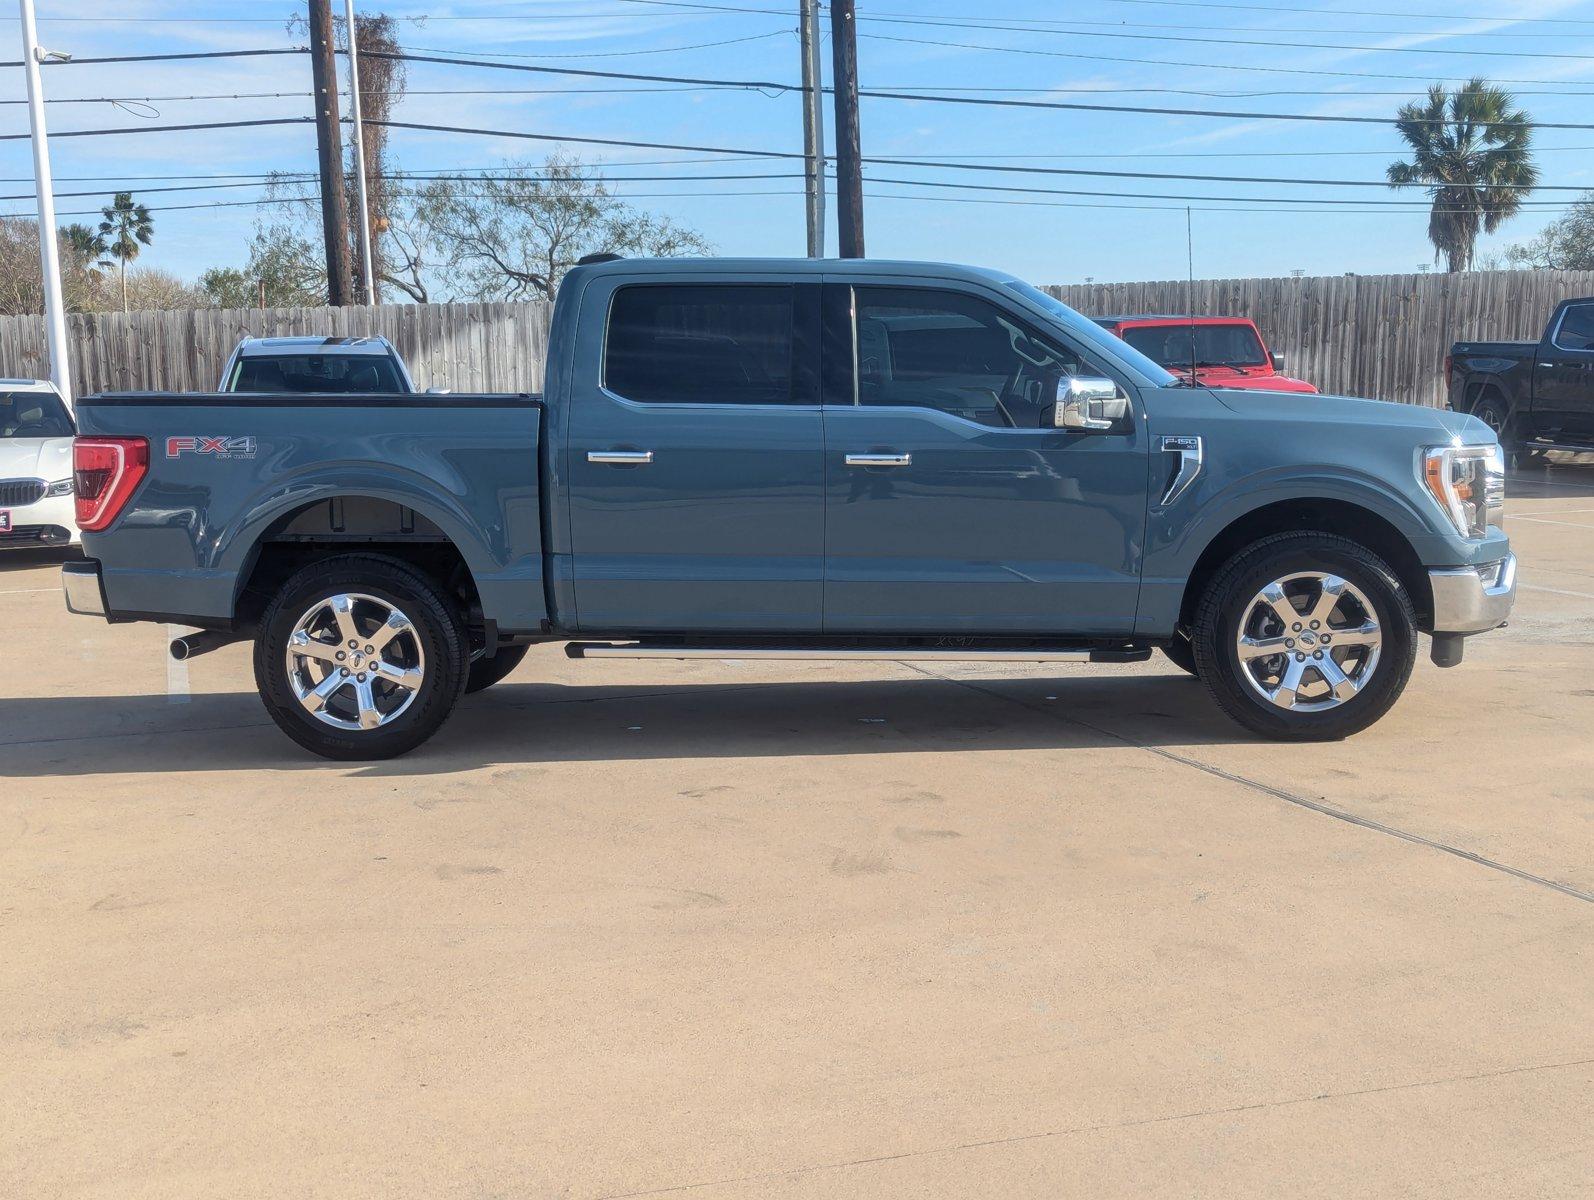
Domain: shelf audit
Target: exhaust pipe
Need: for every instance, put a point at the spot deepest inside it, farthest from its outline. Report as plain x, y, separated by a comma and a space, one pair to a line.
192, 645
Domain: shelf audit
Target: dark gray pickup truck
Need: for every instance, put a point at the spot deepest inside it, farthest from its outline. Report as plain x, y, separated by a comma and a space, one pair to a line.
798, 459
1534, 395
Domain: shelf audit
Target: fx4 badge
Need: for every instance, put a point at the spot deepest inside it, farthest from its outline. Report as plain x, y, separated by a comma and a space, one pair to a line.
221, 447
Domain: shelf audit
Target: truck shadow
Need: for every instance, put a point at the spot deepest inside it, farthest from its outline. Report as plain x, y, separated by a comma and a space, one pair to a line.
543, 723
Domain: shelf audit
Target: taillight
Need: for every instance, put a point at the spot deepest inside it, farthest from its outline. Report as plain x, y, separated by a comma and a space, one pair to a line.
105, 472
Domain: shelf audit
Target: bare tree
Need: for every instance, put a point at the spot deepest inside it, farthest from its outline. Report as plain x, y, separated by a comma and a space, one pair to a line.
513, 235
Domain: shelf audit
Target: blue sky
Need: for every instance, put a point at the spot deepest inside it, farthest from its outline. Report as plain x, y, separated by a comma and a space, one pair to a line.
1241, 55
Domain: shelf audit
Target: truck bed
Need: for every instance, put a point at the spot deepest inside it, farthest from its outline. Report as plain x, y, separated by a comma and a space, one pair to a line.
231, 476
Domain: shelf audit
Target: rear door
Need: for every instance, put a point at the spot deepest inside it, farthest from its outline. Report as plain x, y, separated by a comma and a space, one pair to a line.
695, 457
1563, 380
953, 504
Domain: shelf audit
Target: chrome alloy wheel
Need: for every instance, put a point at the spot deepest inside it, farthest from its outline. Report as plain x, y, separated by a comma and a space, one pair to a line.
355, 662
1308, 642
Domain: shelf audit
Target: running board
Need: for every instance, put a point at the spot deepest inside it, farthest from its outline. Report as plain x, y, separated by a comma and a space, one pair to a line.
854, 653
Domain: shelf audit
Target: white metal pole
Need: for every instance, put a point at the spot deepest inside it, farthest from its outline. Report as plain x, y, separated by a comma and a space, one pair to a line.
49, 253
359, 151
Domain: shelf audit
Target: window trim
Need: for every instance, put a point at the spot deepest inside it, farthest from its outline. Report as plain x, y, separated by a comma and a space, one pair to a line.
1555, 338
797, 338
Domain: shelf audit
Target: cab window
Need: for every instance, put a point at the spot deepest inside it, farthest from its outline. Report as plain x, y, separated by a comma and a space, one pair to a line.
700, 344
1576, 331
963, 355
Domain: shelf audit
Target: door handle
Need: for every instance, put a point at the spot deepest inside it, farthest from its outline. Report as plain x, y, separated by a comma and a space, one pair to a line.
629, 458
879, 460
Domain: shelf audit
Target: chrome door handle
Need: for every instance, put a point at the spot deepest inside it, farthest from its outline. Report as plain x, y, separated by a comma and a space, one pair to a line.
879, 460
632, 458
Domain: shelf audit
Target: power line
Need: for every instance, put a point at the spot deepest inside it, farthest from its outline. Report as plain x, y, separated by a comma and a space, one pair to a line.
1164, 62
934, 98
943, 23
68, 133
941, 163
757, 37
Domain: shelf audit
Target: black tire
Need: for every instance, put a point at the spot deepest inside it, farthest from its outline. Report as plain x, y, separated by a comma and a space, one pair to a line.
1181, 653
438, 633
484, 671
1227, 599
1494, 412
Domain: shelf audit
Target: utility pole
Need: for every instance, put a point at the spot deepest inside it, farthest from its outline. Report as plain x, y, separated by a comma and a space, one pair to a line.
849, 157
329, 151
813, 129
49, 252
359, 154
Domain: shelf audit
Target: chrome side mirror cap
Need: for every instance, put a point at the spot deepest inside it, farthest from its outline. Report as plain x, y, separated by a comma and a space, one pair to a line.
1084, 402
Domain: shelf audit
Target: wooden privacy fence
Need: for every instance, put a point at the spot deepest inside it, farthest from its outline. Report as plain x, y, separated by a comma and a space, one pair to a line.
464, 347
1362, 335
1384, 336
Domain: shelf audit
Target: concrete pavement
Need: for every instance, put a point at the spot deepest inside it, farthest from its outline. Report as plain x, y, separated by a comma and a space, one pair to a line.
741, 929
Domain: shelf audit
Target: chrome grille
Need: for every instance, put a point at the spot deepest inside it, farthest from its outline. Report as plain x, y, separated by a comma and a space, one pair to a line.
19, 492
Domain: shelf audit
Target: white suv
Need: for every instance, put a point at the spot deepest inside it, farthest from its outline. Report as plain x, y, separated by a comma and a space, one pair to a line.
36, 503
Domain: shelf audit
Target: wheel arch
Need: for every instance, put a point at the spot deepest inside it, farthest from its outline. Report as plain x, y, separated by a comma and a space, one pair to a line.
1344, 518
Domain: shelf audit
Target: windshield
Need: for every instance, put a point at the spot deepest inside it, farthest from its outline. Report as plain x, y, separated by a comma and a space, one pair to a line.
1091, 333
1204, 345
33, 415
316, 373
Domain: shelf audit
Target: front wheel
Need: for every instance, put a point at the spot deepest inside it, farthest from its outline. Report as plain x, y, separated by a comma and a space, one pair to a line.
360, 657
486, 671
1305, 637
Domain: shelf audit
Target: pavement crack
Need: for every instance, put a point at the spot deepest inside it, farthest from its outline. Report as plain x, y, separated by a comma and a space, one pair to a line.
1103, 1127
1278, 793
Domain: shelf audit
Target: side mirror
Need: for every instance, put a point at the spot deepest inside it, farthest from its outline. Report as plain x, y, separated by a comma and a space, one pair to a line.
1088, 403
1278, 362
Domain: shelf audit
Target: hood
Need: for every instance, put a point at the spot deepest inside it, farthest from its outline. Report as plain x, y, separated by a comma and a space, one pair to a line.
1250, 377
1437, 424
48, 459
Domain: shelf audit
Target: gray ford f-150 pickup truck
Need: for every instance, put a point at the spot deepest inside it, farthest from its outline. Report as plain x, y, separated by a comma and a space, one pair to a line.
779, 459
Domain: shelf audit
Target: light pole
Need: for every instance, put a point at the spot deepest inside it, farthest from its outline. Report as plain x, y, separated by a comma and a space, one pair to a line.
49, 253
359, 154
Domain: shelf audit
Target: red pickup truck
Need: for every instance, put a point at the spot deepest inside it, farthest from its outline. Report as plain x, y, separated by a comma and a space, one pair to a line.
1223, 352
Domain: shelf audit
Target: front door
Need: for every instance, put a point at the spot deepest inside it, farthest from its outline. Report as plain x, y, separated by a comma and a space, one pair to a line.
1563, 382
695, 463
953, 504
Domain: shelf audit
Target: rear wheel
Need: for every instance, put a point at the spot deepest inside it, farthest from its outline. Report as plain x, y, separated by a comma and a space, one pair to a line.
360, 657
1305, 637
1494, 412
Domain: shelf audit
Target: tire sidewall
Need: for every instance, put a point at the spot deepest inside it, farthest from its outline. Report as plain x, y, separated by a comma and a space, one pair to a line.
1220, 667
437, 627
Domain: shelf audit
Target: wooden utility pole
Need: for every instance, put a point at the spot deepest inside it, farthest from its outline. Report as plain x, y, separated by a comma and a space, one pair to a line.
813, 129
329, 152
849, 156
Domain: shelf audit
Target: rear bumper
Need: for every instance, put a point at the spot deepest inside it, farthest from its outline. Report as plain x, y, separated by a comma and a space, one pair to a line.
85, 593
1473, 599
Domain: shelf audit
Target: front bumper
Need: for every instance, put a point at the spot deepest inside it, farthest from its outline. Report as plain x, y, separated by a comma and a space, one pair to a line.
48, 522
1473, 599
85, 594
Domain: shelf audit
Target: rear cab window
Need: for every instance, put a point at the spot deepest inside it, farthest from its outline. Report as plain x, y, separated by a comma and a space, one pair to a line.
335, 373
708, 343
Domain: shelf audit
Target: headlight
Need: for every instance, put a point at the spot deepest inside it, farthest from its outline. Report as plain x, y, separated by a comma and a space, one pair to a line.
61, 487
1469, 484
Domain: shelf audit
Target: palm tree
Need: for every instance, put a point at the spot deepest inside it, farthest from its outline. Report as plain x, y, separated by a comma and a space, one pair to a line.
126, 226
1472, 150
88, 245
